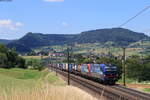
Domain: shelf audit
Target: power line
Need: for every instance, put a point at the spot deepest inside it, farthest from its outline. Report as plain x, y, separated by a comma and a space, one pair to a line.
139, 13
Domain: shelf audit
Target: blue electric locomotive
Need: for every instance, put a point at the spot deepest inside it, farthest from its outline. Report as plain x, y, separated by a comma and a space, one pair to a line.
109, 73
105, 73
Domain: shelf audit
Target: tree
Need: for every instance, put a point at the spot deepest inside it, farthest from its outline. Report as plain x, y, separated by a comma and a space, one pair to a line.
138, 69
10, 59
146, 72
21, 63
135, 68
3, 49
3, 60
79, 58
87, 60
35, 64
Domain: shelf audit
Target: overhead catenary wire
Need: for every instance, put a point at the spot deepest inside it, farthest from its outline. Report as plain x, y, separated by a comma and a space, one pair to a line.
139, 13
127, 21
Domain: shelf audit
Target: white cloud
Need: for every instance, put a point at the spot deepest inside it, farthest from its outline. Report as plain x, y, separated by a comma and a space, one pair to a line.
19, 24
8, 24
54, 0
65, 24
5, 23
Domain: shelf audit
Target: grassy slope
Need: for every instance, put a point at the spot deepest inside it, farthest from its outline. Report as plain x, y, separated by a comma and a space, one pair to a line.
19, 84
24, 79
147, 89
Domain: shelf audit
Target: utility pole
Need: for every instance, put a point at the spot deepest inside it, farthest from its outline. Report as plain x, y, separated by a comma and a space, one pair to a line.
68, 59
49, 60
56, 64
41, 56
142, 42
124, 65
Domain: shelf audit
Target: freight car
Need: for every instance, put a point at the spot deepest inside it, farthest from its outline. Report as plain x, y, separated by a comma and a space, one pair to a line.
104, 73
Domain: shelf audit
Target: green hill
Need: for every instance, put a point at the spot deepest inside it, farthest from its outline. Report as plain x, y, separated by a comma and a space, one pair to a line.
114, 35
119, 36
4, 41
33, 40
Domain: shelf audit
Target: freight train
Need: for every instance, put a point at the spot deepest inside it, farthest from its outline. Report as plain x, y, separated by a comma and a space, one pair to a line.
103, 73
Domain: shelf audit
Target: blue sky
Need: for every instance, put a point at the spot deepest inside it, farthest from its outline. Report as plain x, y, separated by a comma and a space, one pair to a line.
70, 16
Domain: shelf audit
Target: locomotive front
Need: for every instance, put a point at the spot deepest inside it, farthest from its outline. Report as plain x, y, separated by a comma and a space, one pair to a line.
110, 74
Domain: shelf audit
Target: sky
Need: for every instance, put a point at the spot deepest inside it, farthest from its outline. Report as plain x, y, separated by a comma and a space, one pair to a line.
17, 17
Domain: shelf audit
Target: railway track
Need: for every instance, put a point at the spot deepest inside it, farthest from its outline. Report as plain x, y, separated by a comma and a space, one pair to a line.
140, 95
116, 92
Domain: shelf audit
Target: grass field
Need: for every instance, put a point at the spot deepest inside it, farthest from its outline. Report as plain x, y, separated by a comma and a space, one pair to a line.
19, 84
24, 79
147, 89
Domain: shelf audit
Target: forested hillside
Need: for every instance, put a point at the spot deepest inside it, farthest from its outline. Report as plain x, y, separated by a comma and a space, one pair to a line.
119, 36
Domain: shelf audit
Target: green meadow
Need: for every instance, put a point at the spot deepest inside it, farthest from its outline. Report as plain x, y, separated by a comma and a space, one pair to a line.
20, 79
20, 84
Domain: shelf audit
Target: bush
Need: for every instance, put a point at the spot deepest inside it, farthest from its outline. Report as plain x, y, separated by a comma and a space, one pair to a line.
138, 69
21, 63
35, 64
10, 59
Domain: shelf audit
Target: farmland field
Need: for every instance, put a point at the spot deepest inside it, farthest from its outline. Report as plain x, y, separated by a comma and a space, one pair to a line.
34, 57
136, 48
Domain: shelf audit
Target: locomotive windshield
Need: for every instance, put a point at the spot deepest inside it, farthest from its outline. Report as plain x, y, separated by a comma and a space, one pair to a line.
110, 69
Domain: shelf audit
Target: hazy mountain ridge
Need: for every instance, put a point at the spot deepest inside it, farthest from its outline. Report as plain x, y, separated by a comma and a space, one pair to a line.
5, 41
118, 35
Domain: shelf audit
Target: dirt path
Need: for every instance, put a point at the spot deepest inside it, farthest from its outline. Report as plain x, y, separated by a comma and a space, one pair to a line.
138, 86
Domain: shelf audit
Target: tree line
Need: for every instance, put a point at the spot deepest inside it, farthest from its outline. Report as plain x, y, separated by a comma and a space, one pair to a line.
9, 58
136, 67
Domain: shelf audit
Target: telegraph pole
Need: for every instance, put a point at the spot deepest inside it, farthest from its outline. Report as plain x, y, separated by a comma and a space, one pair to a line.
56, 64
68, 59
142, 42
124, 65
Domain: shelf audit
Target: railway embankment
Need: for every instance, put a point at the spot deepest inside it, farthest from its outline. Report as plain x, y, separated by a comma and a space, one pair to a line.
20, 84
